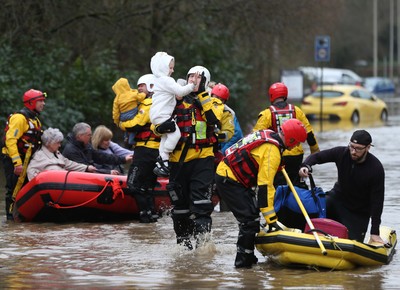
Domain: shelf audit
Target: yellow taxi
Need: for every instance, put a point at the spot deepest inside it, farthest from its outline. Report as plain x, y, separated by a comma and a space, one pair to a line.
344, 102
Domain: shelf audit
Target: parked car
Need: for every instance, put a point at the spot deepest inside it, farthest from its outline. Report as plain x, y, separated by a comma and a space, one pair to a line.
382, 87
331, 76
344, 102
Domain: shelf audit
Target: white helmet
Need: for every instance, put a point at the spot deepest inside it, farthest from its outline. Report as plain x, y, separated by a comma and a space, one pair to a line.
148, 80
200, 69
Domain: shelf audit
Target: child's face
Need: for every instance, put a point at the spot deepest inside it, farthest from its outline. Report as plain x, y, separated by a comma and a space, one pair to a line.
171, 67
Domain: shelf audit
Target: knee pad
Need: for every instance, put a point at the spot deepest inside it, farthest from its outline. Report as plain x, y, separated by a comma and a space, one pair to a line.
175, 193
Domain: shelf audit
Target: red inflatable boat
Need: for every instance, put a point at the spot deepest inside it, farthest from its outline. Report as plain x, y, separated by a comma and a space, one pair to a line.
63, 196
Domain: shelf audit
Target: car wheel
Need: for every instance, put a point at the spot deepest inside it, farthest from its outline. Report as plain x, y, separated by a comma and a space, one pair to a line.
384, 115
355, 117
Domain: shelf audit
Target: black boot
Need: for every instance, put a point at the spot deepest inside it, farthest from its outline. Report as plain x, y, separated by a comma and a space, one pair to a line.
201, 230
141, 196
9, 203
152, 218
244, 260
144, 218
161, 168
245, 257
183, 227
184, 241
151, 205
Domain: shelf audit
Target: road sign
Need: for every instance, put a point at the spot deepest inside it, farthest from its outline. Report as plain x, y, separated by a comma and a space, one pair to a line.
322, 48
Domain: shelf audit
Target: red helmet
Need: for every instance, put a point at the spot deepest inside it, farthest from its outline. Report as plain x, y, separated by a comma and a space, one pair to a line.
221, 91
277, 90
31, 97
293, 132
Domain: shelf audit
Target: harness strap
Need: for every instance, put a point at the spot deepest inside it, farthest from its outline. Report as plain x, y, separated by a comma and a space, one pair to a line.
22, 176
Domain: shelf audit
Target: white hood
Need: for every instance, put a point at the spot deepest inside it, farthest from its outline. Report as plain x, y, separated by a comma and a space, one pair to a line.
159, 64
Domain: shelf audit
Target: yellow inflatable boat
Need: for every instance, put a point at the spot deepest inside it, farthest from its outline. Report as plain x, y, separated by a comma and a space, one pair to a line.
292, 248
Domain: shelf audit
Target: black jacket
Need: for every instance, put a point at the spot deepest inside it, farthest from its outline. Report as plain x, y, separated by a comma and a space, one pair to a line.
76, 151
360, 186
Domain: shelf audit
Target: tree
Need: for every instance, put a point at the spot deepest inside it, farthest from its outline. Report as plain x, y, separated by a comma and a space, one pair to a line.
77, 50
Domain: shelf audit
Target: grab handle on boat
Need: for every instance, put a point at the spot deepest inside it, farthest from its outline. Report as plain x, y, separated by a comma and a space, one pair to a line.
304, 211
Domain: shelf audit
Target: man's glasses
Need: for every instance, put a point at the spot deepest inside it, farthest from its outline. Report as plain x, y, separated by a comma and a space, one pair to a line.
356, 149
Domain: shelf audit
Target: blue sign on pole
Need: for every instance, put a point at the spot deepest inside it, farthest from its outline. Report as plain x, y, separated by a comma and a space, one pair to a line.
322, 48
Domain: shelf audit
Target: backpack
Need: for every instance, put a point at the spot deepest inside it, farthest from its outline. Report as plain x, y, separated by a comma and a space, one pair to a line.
288, 210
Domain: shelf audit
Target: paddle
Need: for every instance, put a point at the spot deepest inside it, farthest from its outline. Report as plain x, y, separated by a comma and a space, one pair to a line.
303, 210
22, 176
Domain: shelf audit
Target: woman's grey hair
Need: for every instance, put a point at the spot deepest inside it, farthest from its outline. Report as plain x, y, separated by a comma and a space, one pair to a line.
80, 128
52, 135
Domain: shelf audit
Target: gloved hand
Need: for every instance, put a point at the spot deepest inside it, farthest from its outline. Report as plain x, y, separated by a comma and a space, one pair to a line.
197, 103
305, 170
202, 85
273, 227
166, 127
222, 136
269, 214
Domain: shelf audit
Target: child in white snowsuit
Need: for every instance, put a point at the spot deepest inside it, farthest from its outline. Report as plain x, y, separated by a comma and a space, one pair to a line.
166, 91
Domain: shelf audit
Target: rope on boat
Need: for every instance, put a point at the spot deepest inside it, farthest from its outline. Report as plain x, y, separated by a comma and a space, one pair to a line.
63, 189
116, 187
333, 242
336, 247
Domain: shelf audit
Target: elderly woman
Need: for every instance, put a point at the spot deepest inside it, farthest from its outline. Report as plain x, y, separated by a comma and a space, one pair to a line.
49, 158
101, 140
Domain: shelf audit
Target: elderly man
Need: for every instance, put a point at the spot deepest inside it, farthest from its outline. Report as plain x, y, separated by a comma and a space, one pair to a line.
79, 149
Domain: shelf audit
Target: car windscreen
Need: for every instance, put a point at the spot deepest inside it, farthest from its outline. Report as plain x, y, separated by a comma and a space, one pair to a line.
327, 94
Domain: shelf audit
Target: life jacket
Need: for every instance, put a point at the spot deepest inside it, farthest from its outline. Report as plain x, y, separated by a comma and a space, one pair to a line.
194, 127
146, 134
280, 115
239, 159
31, 137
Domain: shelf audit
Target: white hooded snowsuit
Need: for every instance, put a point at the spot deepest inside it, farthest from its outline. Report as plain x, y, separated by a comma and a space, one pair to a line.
164, 100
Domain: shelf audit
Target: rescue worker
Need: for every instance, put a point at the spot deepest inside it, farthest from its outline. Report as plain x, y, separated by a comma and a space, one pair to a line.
273, 117
251, 162
192, 162
141, 179
228, 133
22, 138
229, 121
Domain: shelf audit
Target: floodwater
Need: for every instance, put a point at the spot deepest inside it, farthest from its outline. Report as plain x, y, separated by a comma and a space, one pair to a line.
130, 255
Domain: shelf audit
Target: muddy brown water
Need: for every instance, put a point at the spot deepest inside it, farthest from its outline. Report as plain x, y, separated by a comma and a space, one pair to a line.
130, 255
